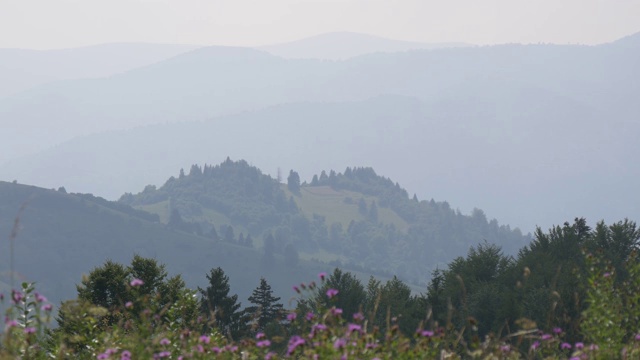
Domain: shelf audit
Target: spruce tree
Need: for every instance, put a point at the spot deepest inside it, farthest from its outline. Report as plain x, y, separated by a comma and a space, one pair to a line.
293, 182
223, 311
266, 309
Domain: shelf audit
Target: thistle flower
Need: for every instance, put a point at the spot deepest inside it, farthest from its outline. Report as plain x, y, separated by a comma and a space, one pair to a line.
331, 293
291, 316
263, 343
294, 342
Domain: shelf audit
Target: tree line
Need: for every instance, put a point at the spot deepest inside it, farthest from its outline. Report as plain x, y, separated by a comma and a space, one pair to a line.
548, 285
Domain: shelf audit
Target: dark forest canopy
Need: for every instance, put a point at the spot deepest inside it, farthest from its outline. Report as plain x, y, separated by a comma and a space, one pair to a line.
568, 283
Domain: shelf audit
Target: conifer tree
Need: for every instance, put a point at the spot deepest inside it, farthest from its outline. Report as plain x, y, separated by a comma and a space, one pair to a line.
293, 182
266, 308
222, 310
268, 259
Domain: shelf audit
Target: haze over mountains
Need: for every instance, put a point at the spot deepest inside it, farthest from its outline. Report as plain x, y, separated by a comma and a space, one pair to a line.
22, 69
344, 45
513, 129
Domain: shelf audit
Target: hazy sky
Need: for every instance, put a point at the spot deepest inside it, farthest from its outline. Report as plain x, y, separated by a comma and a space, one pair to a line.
44, 24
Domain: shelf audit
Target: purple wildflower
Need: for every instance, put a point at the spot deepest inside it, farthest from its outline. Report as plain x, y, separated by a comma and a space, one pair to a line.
165, 341
291, 316
29, 330
205, 339
40, 298
162, 354
322, 276
557, 330
316, 328
260, 335
354, 327
102, 356
565, 346
339, 343
546, 337
638, 337
125, 355
294, 342
310, 316
505, 348
263, 343
579, 345
336, 311
269, 355
10, 323
426, 333
358, 316
593, 347
136, 282
535, 345
128, 305
296, 289
331, 293
46, 307
16, 296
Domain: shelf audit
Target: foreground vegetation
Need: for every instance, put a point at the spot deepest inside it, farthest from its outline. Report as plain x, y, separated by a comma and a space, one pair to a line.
137, 311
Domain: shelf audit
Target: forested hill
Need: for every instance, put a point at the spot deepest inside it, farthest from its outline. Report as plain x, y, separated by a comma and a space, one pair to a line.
62, 236
357, 220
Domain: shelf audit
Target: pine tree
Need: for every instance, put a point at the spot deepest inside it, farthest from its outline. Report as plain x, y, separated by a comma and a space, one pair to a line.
222, 310
213, 234
351, 293
229, 235
266, 309
268, 259
248, 241
293, 182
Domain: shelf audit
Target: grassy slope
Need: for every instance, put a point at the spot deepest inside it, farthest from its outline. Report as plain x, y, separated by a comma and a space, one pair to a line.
320, 200
332, 204
63, 237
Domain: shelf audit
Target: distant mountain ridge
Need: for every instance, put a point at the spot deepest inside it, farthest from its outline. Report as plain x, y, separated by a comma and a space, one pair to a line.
345, 45
495, 127
21, 69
